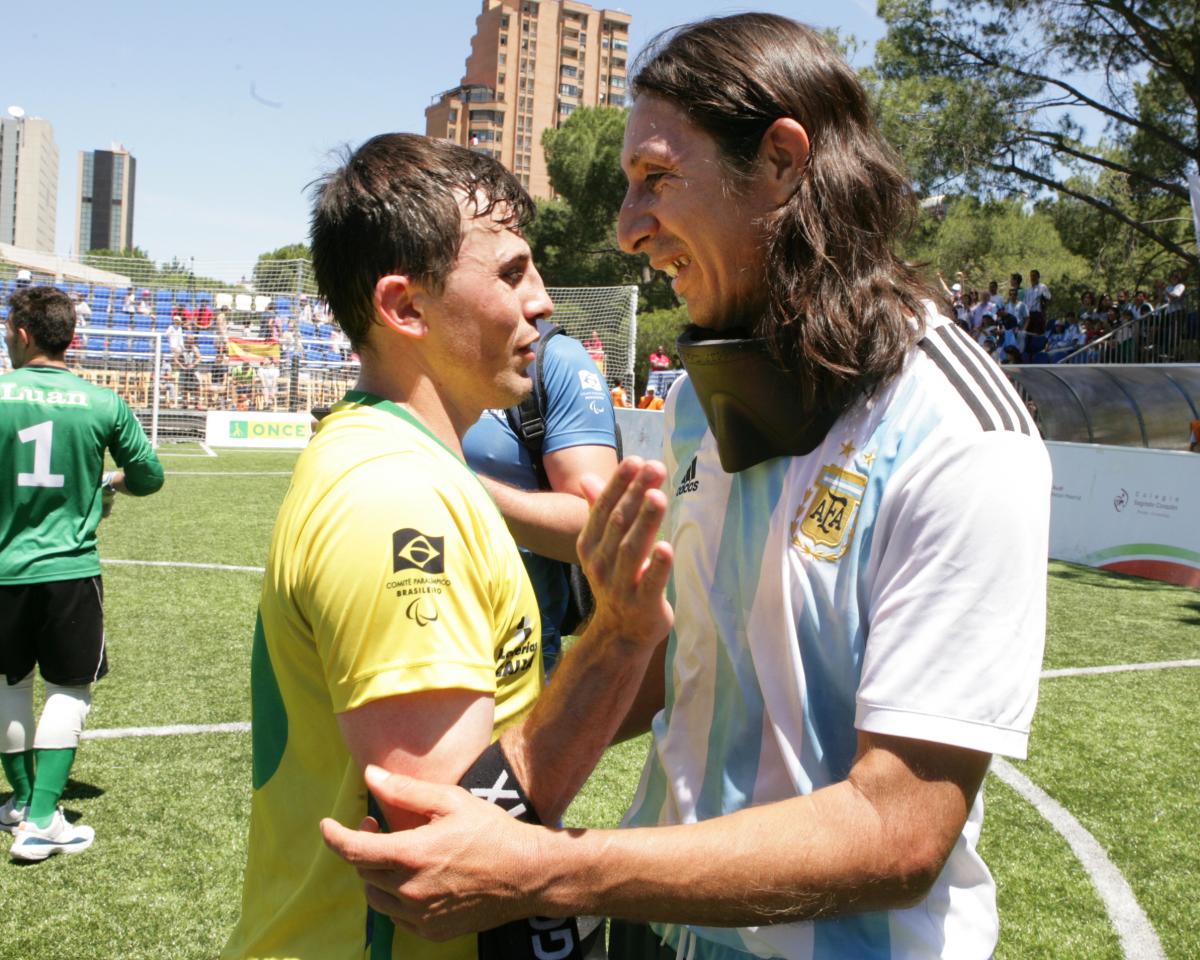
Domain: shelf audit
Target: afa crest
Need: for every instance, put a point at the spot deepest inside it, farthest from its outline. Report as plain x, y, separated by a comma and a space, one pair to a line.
824, 525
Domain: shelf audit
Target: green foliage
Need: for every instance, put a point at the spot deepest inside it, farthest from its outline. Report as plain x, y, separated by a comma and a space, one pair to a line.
287, 270
654, 327
984, 97
136, 263
574, 237
990, 241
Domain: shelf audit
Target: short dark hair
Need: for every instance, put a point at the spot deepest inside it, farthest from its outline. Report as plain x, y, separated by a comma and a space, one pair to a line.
839, 299
47, 314
393, 206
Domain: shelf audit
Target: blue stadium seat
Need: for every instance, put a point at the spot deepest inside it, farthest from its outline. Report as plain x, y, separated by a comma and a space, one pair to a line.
142, 345
142, 322
162, 322
308, 328
118, 345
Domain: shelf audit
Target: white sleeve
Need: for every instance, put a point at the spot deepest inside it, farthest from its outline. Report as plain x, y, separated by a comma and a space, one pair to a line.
957, 610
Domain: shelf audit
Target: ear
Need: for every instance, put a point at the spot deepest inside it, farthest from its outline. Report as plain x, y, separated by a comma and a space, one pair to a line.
397, 304
783, 153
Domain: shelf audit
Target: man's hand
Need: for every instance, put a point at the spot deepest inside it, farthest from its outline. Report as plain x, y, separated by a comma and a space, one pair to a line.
460, 873
626, 567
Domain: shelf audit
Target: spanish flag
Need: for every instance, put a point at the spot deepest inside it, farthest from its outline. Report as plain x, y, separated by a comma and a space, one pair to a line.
245, 350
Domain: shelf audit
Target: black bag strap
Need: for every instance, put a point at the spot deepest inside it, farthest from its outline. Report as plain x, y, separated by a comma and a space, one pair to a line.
528, 418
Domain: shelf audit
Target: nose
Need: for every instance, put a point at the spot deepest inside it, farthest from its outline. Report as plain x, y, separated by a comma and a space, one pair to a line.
537, 303
635, 224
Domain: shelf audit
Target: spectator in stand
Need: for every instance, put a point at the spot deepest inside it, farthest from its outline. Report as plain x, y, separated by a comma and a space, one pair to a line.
304, 314
221, 321
1010, 356
1194, 436
24, 279
204, 316
189, 373
143, 308
1015, 307
1012, 336
218, 383
268, 381
129, 308
651, 400
83, 312
619, 397
659, 360
1061, 337
1037, 300
189, 317
994, 293
983, 313
175, 336
595, 349
168, 381
243, 385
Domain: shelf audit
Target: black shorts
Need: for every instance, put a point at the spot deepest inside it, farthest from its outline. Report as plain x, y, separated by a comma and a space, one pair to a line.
59, 626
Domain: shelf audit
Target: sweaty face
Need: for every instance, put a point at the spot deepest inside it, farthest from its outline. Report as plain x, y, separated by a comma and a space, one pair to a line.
481, 324
682, 213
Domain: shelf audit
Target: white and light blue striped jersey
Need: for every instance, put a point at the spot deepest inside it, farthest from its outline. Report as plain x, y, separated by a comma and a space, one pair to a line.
887, 582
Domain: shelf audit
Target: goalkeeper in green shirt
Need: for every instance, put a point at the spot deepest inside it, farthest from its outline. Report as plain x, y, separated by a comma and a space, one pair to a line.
54, 430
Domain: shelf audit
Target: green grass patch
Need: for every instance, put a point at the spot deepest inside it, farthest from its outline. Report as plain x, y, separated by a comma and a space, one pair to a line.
164, 877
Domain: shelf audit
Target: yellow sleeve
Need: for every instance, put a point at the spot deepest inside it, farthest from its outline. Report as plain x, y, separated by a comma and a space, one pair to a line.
399, 583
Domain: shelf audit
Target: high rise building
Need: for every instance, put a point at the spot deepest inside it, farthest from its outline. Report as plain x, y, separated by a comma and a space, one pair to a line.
531, 64
28, 181
104, 208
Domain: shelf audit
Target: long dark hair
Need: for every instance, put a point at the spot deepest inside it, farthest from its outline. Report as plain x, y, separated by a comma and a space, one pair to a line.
841, 303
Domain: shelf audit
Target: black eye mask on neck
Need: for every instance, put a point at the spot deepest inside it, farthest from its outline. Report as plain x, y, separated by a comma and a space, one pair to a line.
750, 402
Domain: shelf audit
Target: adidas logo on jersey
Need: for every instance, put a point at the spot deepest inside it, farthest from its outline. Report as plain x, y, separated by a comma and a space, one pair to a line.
689, 483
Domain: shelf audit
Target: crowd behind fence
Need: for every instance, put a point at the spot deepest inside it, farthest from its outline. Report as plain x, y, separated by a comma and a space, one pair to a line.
173, 352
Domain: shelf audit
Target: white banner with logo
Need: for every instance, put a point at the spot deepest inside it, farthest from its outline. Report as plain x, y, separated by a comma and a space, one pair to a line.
225, 428
1127, 509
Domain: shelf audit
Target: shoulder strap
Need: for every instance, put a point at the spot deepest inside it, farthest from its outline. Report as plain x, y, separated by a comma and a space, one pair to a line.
528, 418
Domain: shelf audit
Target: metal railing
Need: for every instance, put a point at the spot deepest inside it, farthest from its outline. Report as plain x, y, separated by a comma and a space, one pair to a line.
1169, 334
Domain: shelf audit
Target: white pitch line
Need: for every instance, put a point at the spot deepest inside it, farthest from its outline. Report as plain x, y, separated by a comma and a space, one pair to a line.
209, 450
229, 473
175, 730
1138, 939
1119, 668
183, 563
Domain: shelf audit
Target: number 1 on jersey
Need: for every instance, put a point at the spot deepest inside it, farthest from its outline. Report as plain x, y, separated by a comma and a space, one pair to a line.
42, 436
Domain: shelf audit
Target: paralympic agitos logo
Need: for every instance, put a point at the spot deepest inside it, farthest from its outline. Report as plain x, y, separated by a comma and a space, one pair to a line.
414, 550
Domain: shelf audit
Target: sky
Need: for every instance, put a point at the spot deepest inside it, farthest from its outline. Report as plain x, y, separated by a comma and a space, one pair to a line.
232, 109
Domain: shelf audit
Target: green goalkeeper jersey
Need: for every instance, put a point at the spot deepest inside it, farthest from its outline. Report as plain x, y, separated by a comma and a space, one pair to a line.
54, 429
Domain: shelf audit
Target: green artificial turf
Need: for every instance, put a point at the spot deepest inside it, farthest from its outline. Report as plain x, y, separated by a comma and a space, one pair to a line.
1119, 751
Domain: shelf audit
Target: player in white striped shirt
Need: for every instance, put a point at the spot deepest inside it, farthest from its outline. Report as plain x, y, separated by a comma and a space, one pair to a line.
857, 627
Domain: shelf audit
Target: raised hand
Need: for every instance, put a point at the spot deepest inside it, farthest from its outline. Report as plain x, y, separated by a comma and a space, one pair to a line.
625, 564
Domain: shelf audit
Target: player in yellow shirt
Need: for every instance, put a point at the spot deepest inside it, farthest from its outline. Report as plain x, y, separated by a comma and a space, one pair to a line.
397, 627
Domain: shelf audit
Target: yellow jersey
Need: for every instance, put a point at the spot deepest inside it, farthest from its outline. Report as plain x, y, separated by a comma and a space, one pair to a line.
390, 571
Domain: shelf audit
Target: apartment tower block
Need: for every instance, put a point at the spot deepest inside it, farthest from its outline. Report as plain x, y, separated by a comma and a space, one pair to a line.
104, 200
28, 181
531, 64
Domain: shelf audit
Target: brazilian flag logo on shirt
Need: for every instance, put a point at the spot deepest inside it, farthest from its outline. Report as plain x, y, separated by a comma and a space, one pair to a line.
824, 524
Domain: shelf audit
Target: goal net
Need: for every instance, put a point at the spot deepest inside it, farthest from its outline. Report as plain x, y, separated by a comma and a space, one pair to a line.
264, 343
604, 320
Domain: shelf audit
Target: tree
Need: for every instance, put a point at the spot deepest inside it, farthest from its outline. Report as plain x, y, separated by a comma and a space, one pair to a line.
990, 241
574, 237
987, 95
287, 269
